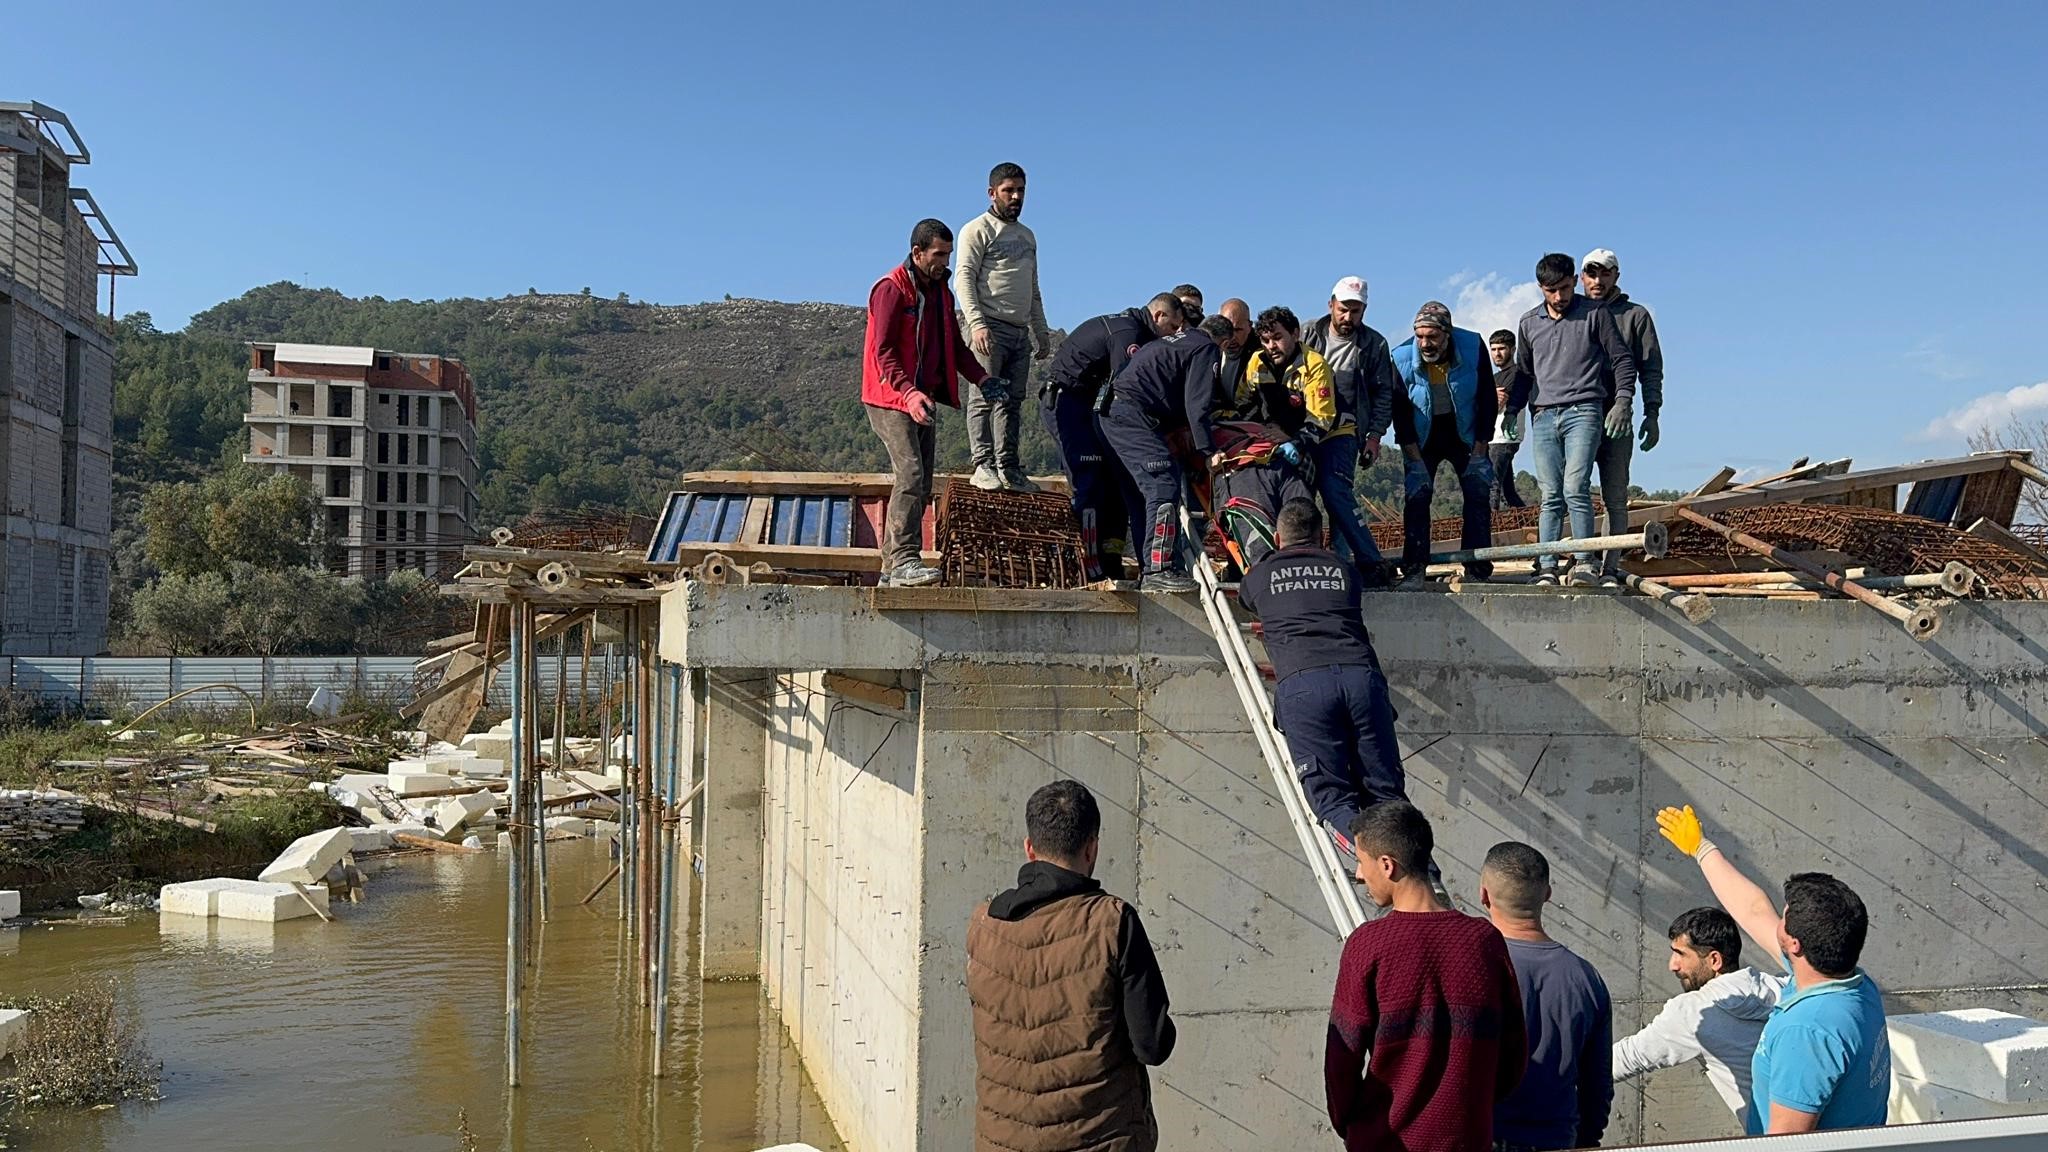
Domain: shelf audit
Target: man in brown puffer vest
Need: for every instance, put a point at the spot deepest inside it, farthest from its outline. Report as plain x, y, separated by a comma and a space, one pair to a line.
1069, 1006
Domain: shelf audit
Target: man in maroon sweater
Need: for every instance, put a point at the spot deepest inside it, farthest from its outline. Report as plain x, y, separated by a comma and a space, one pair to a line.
1430, 994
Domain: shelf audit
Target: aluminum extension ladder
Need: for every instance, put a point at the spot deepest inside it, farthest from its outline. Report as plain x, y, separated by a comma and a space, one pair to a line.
1333, 876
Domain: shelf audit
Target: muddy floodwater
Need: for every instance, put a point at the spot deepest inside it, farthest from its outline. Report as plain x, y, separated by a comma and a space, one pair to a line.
377, 1031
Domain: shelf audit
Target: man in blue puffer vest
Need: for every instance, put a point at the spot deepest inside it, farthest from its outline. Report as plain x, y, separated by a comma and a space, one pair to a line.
1444, 413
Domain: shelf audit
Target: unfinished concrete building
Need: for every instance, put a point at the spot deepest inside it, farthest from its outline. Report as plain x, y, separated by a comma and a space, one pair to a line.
56, 389
386, 441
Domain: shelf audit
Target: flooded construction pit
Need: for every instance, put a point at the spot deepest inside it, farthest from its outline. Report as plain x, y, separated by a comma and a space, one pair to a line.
382, 1030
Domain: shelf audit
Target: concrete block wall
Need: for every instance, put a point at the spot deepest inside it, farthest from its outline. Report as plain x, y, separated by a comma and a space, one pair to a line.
57, 528
1810, 735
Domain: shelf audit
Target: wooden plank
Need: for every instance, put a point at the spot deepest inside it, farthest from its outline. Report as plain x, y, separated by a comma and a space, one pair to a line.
589, 563
867, 691
1000, 600
412, 841
822, 483
548, 628
1796, 471
1796, 491
1715, 483
1992, 496
569, 598
754, 525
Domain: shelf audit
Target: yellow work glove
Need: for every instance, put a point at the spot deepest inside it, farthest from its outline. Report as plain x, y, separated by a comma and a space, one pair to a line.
1681, 826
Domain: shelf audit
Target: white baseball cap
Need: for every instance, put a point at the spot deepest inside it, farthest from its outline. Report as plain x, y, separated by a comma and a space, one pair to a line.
1604, 257
1350, 288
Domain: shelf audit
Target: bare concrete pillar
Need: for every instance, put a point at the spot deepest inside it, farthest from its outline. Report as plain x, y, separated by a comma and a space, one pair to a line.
729, 835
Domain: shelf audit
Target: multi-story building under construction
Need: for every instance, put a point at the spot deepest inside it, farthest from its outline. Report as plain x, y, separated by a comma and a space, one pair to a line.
386, 441
56, 389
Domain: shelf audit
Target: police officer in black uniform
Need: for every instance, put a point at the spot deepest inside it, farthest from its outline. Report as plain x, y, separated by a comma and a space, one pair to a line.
1169, 385
1331, 701
1093, 354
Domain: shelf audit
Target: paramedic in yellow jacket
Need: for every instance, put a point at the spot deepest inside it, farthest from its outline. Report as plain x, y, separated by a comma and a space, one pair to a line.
1288, 385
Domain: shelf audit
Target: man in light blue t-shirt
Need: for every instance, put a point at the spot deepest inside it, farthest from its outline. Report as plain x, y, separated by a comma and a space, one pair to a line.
1824, 1060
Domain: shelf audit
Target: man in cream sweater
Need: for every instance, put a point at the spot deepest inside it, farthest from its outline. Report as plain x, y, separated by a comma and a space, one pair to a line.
997, 286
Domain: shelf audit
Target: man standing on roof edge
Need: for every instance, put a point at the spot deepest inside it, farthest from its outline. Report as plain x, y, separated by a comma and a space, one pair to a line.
998, 289
912, 357
1443, 415
1583, 387
1363, 373
1600, 275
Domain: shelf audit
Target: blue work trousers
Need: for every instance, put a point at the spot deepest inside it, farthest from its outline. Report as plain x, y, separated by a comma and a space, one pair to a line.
1339, 724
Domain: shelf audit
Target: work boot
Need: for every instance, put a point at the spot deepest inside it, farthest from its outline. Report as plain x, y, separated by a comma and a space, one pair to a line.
910, 574
1610, 580
1166, 580
1014, 480
1581, 576
985, 478
1546, 578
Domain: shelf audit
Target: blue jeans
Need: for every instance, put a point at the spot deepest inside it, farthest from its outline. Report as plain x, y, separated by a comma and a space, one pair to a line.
1336, 460
1562, 443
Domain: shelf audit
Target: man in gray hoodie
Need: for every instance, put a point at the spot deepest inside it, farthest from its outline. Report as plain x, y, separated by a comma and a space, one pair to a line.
997, 287
1719, 1017
1600, 275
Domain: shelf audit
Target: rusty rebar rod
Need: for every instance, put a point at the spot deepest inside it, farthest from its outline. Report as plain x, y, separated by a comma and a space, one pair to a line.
1919, 623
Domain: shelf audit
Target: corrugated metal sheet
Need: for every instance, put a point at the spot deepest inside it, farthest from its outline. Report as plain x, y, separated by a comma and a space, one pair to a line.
107, 682
819, 521
697, 518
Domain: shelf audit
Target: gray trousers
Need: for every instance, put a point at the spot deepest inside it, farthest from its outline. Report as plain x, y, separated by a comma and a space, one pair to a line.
910, 446
1612, 460
992, 428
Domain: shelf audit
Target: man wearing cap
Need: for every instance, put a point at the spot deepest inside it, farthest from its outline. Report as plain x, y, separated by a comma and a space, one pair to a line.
1583, 387
1600, 273
1511, 389
1364, 378
1444, 413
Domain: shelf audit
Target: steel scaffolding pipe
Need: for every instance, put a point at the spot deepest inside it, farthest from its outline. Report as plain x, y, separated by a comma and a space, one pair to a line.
1654, 540
1919, 623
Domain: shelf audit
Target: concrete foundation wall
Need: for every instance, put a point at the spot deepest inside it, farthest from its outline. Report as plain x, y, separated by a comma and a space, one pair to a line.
1811, 735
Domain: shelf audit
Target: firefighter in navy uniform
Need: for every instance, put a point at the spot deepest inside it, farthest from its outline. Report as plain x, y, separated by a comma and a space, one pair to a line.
1331, 699
1093, 354
1168, 387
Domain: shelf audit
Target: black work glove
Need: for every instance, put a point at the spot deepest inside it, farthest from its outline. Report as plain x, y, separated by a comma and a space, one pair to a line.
1649, 439
1618, 420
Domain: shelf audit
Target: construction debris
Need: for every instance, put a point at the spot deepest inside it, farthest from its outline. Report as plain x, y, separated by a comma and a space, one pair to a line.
27, 816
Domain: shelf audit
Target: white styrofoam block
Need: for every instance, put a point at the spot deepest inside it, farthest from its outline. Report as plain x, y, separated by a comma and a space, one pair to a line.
369, 839
479, 767
1918, 1102
504, 839
489, 745
594, 781
551, 788
411, 766
425, 782
193, 897
456, 811
574, 825
604, 827
267, 903
1983, 1052
13, 1029
308, 858
10, 904
360, 783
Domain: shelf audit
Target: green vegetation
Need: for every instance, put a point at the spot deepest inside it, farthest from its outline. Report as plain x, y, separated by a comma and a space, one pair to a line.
81, 1050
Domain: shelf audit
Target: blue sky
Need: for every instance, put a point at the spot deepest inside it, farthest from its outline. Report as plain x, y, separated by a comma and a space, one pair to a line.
1835, 212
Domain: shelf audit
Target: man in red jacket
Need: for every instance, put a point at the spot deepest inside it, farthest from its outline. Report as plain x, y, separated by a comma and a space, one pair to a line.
1430, 994
914, 357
